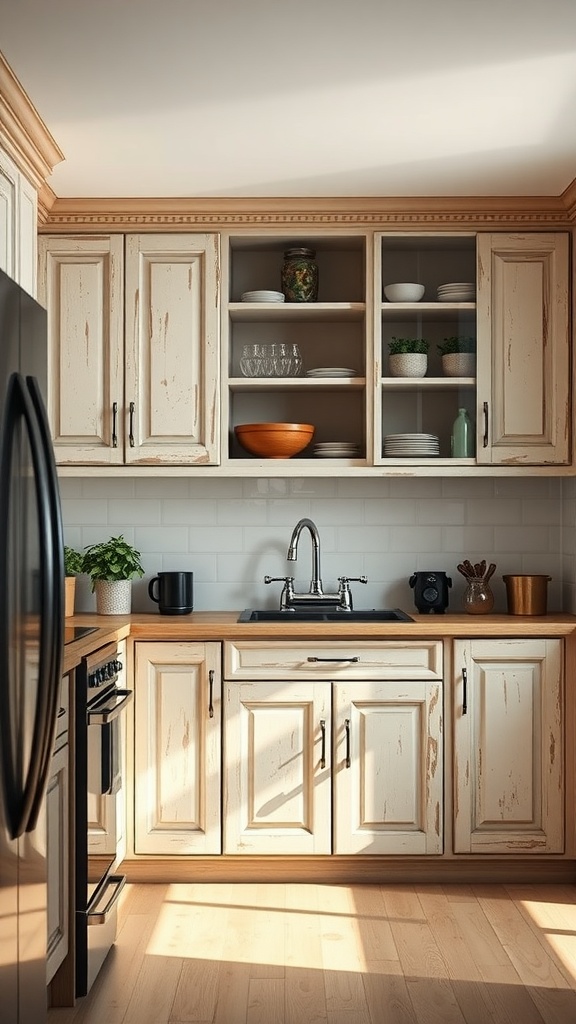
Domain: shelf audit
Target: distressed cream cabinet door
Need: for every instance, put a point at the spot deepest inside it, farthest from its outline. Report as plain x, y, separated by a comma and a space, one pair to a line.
508, 747
277, 771
523, 349
133, 333
81, 283
177, 748
172, 349
388, 768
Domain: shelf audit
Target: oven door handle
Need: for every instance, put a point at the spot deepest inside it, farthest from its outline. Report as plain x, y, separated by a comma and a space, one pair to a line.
101, 915
106, 713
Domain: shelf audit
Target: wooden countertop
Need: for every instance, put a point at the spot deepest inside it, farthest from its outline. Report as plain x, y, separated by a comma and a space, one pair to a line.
224, 626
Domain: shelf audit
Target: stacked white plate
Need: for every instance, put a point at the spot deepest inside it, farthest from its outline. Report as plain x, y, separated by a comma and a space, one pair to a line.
332, 371
263, 295
336, 450
412, 446
457, 291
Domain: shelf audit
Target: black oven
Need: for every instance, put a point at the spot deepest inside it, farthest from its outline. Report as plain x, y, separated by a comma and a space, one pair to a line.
100, 705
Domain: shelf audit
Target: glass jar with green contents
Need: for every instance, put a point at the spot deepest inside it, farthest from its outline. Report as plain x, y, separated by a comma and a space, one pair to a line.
300, 275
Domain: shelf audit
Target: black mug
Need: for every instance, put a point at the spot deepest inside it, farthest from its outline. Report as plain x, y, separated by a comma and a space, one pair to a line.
175, 594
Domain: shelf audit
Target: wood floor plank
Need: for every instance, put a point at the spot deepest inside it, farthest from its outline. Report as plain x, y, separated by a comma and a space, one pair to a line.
266, 1001
387, 994
342, 957
304, 990
424, 967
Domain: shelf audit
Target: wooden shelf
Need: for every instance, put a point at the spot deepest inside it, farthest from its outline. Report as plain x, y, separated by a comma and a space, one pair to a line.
278, 311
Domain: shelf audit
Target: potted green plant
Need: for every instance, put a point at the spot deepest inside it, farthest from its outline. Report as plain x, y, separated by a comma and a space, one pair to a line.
111, 565
408, 357
458, 356
73, 566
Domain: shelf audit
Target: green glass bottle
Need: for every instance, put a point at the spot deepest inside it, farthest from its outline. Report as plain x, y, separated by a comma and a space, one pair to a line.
462, 436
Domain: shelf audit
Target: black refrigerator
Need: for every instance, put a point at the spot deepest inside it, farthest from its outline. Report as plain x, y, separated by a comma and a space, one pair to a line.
31, 647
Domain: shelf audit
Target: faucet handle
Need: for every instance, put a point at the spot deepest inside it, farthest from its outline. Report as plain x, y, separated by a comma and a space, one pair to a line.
345, 592
279, 579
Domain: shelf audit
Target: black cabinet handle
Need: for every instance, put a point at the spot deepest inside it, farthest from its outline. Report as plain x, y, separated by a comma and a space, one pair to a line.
131, 426
333, 659
323, 749
347, 728
114, 417
485, 438
464, 691
210, 693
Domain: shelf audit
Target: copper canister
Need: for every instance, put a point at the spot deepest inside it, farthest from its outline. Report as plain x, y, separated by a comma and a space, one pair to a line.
527, 595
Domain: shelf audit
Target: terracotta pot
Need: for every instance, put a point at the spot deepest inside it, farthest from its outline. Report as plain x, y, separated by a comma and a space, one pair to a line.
69, 595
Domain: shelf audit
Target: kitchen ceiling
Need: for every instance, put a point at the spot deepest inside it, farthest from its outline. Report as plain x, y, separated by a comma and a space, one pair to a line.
220, 98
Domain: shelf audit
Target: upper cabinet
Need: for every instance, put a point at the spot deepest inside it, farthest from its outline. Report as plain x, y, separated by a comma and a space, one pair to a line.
133, 342
18, 224
160, 347
502, 299
523, 395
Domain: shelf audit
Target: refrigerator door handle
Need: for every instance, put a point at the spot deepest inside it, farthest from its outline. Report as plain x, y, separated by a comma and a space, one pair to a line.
53, 610
21, 795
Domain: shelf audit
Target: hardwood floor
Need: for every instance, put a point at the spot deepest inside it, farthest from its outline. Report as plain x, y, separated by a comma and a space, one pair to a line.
272, 953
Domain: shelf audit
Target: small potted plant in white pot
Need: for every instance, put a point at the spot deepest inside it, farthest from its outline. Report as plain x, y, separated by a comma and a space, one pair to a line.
73, 566
408, 357
111, 565
458, 356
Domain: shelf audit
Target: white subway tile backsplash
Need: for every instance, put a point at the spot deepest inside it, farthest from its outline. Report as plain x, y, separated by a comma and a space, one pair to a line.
231, 533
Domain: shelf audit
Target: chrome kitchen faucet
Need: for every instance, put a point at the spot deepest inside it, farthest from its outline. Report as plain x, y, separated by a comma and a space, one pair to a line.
290, 599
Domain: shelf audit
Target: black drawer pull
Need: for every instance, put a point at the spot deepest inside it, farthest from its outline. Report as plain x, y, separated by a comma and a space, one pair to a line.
347, 727
333, 659
464, 691
323, 749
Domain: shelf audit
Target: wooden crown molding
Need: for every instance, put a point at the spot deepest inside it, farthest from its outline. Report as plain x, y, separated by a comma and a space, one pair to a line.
390, 213
23, 133
569, 200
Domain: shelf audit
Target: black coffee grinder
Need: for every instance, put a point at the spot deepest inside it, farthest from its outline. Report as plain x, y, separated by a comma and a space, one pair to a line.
430, 591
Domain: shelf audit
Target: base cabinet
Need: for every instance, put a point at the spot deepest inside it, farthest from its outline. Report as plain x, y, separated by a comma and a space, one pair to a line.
508, 747
338, 751
277, 775
177, 751
388, 768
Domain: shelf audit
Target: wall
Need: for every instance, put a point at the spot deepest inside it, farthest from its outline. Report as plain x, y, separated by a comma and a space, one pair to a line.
233, 532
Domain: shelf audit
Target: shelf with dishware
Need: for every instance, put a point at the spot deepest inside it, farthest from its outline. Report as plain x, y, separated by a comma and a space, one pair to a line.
290, 362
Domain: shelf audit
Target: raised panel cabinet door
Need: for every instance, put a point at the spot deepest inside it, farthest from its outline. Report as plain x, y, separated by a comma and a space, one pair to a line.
523, 349
388, 768
57, 825
172, 343
508, 746
81, 284
277, 768
177, 748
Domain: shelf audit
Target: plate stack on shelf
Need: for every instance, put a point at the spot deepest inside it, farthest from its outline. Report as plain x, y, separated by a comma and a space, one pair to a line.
457, 291
411, 446
332, 371
336, 450
263, 295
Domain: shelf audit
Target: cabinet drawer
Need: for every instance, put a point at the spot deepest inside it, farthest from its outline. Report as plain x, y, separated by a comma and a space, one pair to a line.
328, 659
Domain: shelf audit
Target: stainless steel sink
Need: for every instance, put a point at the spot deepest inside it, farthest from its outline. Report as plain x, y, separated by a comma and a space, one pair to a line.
324, 615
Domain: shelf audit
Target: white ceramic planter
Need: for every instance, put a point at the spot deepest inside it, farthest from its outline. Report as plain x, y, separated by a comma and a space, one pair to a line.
113, 597
408, 364
459, 364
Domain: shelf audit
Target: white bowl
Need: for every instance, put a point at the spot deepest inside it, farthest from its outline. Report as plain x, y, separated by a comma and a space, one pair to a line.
404, 292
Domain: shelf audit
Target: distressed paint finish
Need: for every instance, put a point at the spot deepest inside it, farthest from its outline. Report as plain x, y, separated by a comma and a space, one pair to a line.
276, 794
177, 748
389, 801
81, 282
509, 781
172, 348
393, 659
523, 361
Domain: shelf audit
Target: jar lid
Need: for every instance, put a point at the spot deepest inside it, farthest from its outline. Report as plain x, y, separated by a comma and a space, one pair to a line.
300, 251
